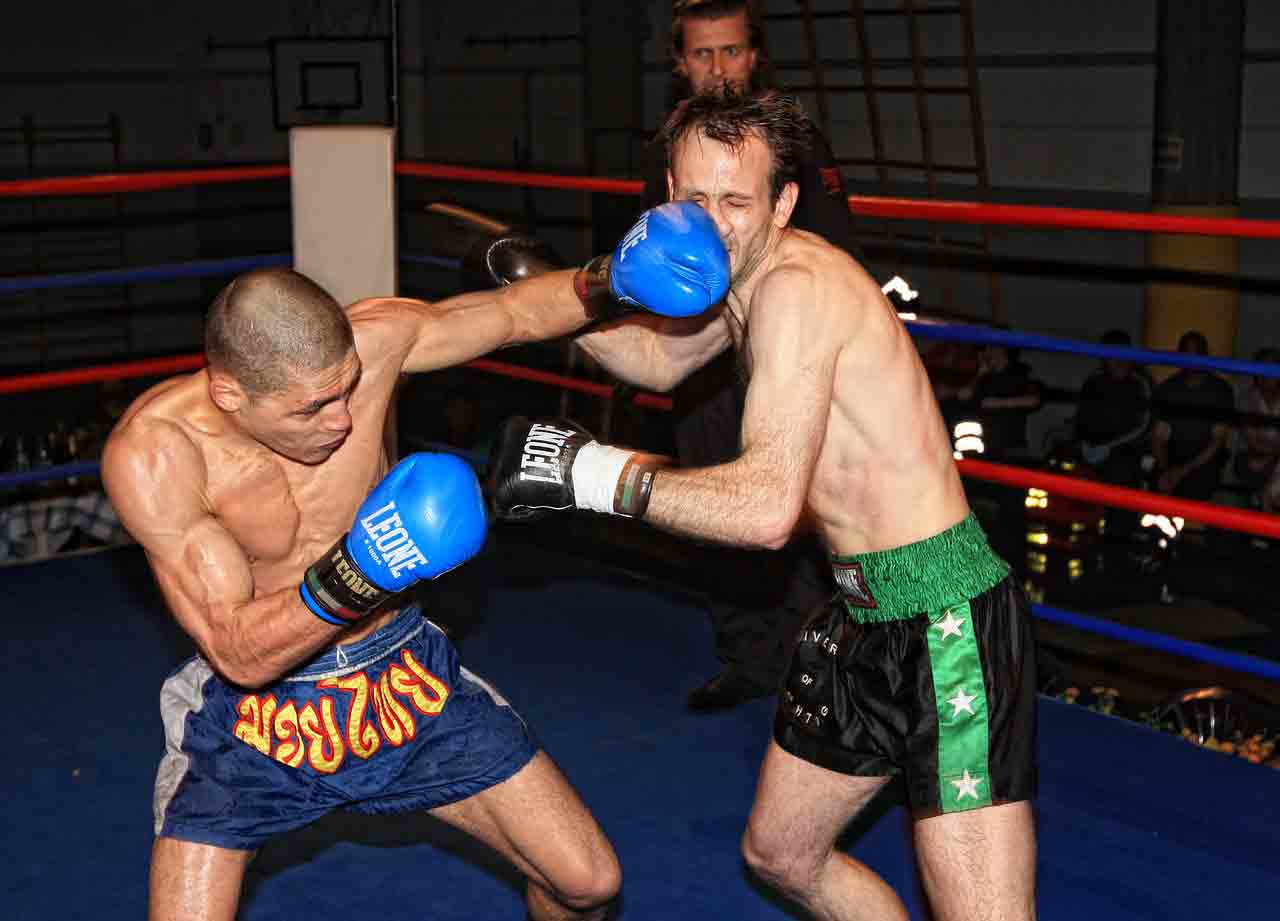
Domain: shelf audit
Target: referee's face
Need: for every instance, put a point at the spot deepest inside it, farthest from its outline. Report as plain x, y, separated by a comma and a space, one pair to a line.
717, 52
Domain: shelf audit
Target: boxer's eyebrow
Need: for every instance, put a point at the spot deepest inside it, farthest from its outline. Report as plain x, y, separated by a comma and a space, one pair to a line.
316, 405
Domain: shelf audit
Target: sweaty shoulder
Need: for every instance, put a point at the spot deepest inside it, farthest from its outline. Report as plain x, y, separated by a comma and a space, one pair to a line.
384, 329
819, 278
152, 465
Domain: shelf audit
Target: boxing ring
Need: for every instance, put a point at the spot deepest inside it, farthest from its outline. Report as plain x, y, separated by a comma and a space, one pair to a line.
1133, 822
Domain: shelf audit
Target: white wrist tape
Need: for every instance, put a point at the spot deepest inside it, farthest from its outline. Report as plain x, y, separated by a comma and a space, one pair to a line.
596, 471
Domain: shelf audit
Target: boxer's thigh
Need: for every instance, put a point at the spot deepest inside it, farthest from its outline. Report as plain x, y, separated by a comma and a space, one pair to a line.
980, 863
536, 820
195, 882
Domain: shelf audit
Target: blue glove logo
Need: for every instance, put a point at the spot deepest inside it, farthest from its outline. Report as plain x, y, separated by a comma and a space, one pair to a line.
634, 236
396, 548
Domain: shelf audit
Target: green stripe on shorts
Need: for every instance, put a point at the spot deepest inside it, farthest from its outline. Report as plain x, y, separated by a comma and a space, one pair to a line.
964, 781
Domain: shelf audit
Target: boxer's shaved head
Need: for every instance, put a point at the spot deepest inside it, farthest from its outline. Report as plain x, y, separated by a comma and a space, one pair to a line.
269, 325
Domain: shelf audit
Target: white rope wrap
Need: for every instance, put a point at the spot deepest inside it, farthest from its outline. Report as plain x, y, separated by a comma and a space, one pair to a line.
596, 471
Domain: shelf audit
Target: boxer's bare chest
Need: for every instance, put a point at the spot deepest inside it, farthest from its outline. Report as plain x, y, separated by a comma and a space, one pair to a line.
283, 514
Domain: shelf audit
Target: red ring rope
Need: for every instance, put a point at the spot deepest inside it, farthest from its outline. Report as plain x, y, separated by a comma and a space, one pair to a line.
957, 212
152, 367
109, 184
568, 383
1220, 516
510, 177
967, 212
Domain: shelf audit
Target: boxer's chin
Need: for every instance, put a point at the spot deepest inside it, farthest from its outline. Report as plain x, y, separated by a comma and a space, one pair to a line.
311, 455
326, 451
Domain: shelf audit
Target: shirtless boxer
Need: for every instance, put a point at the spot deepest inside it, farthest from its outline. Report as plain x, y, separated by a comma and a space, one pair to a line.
260, 491
922, 664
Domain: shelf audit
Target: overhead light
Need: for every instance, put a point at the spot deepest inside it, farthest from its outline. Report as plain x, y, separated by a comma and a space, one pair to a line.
1169, 527
899, 286
968, 438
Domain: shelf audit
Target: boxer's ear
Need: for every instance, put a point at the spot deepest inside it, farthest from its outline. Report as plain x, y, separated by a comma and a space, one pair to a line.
785, 204
225, 391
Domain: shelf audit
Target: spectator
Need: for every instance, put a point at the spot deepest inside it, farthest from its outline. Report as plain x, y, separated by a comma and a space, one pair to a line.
1001, 395
757, 599
1114, 416
1189, 437
1259, 449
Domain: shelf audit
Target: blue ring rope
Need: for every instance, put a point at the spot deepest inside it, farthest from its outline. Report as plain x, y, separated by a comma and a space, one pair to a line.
948, 332
40, 474
1211, 654
439, 261
982, 335
164, 272
174, 270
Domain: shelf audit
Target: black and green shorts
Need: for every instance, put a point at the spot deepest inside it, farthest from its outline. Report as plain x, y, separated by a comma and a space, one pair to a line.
923, 665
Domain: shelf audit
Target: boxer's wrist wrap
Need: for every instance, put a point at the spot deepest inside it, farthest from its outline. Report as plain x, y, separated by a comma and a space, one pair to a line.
591, 284
631, 496
613, 480
336, 591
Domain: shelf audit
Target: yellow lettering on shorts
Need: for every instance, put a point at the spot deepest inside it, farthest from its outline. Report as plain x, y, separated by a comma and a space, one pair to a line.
325, 750
254, 726
362, 737
394, 718
290, 749
427, 692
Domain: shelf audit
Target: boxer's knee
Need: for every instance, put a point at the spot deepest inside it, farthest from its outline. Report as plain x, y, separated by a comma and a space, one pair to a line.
587, 880
777, 861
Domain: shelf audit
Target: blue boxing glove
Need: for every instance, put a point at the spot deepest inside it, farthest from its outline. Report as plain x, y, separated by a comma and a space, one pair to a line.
425, 517
671, 262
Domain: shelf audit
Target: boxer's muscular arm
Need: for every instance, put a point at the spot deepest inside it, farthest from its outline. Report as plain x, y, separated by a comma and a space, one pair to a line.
756, 500
657, 353
155, 478
458, 329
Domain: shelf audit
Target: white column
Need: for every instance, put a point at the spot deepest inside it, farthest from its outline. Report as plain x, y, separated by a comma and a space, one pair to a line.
344, 218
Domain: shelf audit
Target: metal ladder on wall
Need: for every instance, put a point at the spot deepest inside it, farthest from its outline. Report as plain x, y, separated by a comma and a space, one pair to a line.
957, 15
61, 235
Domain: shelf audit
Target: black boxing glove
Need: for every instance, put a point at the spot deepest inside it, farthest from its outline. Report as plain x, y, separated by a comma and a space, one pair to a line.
543, 465
506, 259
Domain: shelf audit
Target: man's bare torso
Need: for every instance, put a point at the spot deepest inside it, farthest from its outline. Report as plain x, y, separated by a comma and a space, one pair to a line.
886, 475
284, 515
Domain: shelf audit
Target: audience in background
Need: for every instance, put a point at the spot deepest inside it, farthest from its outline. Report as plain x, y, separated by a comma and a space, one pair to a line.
1258, 447
1113, 416
1192, 413
1001, 395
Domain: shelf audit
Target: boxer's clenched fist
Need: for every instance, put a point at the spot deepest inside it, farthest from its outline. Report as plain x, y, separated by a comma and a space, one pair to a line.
543, 465
671, 262
425, 517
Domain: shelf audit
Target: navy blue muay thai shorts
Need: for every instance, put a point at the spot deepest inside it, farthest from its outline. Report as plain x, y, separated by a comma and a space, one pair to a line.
391, 723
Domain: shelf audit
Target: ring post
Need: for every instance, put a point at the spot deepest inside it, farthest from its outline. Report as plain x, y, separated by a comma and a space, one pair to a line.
334, 95
1196, 168
344, 226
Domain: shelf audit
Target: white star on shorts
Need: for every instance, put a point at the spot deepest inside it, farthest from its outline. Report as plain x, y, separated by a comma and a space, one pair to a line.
966, 785
950, 625
962, 701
